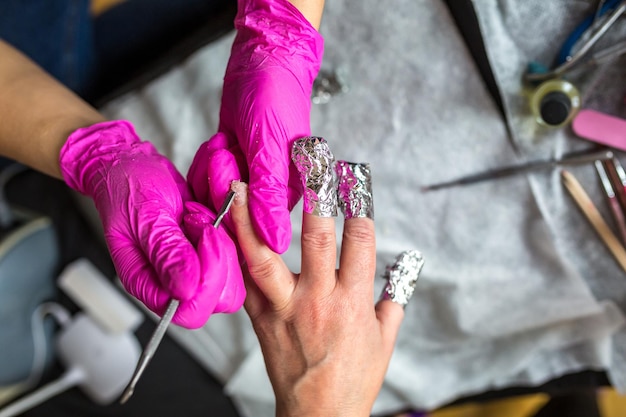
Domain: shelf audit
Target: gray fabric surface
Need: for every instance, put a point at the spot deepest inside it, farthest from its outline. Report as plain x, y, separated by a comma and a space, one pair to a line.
517, 288
505, 26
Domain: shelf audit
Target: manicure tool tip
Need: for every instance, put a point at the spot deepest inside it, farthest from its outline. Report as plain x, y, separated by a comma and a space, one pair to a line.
127, 394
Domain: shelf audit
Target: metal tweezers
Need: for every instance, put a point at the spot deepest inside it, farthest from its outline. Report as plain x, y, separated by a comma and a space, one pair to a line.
571, 159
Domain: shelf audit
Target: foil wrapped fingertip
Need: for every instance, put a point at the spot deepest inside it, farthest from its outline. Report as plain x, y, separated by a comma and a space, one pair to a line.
354, 189
402, 276
314, 161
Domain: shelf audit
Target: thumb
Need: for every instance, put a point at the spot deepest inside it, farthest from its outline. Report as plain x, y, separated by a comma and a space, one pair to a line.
172, 256
221, 288
136, 273
221, 274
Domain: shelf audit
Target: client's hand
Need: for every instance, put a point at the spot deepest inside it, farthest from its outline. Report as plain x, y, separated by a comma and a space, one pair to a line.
326, 343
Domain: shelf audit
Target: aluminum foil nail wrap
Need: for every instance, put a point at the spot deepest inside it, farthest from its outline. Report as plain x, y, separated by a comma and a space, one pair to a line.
314, 160
354, 189
402, 276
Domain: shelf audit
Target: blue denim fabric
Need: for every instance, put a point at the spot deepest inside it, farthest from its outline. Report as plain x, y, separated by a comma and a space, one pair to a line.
91, 55
57, 34
141, 24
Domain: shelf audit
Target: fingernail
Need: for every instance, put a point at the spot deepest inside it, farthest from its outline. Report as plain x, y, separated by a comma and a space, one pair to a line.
354, 189
312, 157
241, 192
402, 277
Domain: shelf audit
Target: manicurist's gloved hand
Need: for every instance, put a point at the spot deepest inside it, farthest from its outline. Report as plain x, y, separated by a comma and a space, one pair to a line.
219, 261
265, 107
140, 197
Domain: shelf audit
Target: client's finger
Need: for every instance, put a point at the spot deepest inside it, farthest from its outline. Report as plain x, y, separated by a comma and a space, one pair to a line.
358, 248
401, 279
266, 268
319, 252
357, 264
390, 316
313, 160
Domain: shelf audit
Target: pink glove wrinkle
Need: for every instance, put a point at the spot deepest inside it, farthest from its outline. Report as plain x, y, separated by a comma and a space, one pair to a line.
139, 195
266, 106
215, 164
219, 261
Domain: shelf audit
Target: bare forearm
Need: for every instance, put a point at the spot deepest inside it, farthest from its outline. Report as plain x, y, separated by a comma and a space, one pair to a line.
311, 9
37, 113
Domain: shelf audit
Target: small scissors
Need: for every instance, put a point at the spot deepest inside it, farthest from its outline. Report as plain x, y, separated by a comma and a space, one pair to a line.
567, 60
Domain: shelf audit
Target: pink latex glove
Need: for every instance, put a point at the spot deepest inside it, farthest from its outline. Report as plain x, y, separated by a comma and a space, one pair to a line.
266, 103
139, 195
219, 260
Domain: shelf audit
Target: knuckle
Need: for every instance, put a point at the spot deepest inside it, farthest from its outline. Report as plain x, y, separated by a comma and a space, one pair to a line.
319, 240
262, 269
360, 233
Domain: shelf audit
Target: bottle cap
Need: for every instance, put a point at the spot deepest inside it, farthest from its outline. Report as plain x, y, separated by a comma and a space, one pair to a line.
555, 108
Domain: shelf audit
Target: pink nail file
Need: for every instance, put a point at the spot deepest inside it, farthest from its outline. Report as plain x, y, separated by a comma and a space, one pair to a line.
601, 128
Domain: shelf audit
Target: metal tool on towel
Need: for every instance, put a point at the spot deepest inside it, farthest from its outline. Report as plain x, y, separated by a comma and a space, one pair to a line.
588, 33
165, 321
605, 170
571, 159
